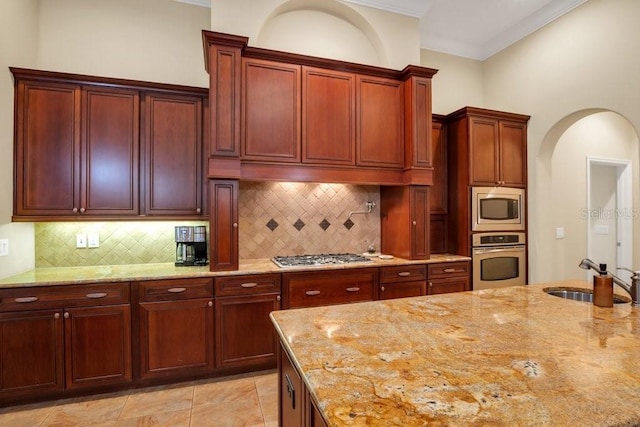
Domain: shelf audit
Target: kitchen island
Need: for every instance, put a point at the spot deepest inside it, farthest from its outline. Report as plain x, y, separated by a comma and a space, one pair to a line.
508, 356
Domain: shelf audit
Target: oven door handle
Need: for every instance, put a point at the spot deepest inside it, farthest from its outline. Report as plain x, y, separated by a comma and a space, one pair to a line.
498, 250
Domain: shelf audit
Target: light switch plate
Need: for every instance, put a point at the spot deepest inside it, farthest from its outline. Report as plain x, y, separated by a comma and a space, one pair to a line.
93, 240
560, 233
4, 247
602, 229
81, 240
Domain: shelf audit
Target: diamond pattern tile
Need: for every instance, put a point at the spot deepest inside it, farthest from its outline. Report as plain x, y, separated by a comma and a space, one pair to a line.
324, 224
299, 224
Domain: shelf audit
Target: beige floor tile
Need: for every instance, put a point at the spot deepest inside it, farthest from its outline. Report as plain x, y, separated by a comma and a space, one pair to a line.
207, 393
26, 415
238, 413
267, 384
269, 407
179, 418
84, 411
155, 400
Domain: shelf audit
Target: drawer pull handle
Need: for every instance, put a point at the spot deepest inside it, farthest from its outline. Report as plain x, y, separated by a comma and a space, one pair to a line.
176, 290
312, 293
249, 285
26, 299
353, 289
97, 295
452, 270
404, 274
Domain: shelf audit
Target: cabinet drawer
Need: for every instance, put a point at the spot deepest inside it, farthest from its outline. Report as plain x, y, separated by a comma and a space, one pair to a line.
449, 269
63, 296
451, 284
175, 289
403, 273
309, 290
243, 285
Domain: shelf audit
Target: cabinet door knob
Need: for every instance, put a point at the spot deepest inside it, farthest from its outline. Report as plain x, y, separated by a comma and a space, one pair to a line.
56, 316
235, 225
414, 223
66, 315
430, 285
278, 298
198, 210
382, 288
75, 210
210, 304
82, 210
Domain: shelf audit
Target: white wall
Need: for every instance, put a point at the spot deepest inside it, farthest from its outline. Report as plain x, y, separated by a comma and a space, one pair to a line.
18, 43
585, 60
326, 28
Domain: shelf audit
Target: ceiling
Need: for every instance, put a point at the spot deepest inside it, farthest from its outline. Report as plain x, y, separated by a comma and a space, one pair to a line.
474, 29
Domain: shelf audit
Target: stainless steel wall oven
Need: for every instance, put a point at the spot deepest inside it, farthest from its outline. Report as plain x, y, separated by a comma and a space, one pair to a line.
499, 260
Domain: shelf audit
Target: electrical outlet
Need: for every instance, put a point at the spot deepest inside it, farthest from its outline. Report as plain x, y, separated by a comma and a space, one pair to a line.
81, 240
93, 240
4, 247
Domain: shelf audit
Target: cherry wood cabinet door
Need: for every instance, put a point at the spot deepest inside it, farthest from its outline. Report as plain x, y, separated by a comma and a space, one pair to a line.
328, 116
379, 122
47, 148
223, 225
403, 289
438, 196
97, 345
173, 155
291, 412
110, 155
483, 151
270, 111
244, 333
419, 201
31, 353
513, 154
176, 338
452, 284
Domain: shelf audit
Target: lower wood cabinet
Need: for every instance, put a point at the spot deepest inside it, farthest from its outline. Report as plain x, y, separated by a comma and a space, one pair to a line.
245, 336
403, 281
63, 338
291, 411
447, 277
176, 334
310, 289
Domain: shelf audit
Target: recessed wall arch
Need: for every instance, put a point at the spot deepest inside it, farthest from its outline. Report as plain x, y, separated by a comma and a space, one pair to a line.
559, 196
325, 28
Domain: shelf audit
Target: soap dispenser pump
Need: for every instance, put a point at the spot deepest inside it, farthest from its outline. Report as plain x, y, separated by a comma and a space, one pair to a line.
603, 288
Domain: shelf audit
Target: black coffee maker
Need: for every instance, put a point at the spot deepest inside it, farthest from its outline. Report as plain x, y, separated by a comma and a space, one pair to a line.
191, 245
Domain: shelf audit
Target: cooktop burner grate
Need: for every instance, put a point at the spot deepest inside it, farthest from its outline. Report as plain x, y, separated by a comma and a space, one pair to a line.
320, 259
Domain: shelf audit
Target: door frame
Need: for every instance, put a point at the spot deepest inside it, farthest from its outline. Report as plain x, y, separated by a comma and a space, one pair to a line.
624, 208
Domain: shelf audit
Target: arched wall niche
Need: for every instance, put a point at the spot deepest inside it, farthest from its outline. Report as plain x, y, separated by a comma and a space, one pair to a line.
560, 192
324, 28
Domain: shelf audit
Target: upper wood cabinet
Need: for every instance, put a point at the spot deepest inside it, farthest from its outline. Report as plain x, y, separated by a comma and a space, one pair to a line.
320, 120
328, 116
270, 111
173, 154
492, 146
380, 122
404, 221
97, 148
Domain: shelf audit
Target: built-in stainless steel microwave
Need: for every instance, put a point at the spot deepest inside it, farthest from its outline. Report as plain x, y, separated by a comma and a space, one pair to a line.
497, 209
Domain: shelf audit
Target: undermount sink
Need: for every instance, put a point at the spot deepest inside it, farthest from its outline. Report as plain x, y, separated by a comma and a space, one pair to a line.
585, 295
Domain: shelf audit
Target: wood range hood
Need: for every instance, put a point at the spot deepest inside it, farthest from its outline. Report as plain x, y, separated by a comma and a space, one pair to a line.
278, 116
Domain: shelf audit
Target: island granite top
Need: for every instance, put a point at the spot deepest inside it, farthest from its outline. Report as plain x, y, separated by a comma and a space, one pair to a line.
511, 357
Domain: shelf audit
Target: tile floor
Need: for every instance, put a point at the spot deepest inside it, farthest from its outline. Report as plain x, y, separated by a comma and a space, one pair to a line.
245, 400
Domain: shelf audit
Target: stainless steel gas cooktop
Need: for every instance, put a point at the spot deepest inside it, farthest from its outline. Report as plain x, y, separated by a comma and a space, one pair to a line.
320, 259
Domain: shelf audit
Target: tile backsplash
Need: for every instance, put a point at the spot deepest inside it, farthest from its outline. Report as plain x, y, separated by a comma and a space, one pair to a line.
139, 242
275, 218
282, 218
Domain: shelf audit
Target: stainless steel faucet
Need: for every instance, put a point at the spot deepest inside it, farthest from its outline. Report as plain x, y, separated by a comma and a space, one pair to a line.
632, 289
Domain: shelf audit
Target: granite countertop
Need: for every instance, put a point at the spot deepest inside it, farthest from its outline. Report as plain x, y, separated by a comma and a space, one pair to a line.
123, 273
508, 356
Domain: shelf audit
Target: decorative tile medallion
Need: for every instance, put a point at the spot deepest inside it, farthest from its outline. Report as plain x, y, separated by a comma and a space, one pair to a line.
299, 224
272, 224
